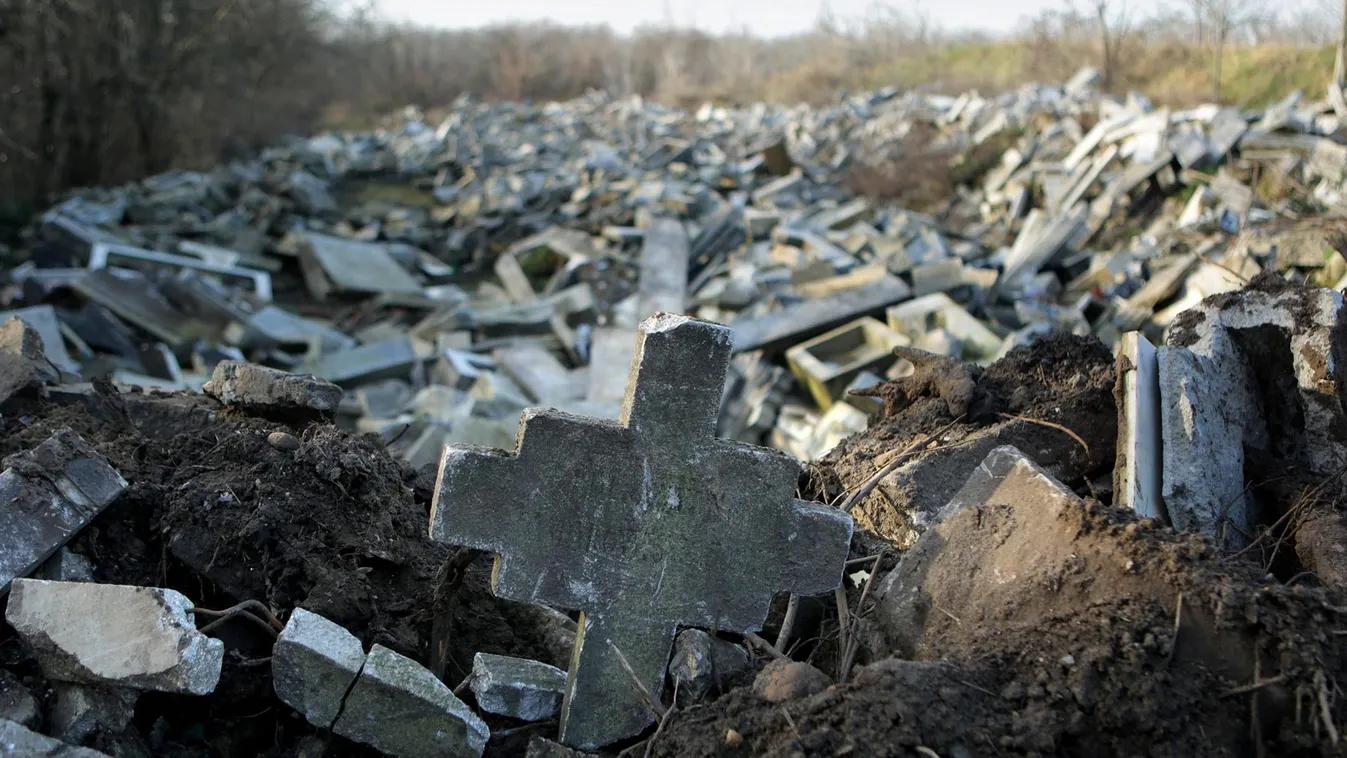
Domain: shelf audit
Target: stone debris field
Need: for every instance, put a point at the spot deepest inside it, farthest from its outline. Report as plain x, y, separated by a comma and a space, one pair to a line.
912, 425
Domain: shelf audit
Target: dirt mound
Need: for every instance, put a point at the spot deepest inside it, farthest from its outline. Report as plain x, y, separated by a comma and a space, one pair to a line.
1076, 630
218, 513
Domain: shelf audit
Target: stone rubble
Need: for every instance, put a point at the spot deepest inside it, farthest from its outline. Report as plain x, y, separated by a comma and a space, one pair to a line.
105, 634
561, 299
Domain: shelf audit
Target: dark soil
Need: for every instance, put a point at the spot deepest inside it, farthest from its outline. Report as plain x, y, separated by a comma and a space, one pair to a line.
220, 515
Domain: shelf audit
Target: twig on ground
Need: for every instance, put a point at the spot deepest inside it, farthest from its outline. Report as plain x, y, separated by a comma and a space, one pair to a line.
1050, 425
267, 620
843, 623
668, 713
790, 721
650, 702
787, 623
763, 645
865, 489
1174, 638
1246, 689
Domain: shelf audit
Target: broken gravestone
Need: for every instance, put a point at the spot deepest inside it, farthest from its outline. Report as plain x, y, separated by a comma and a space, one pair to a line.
623, 520
382, 699
47, 495
1249, 373
23, 364
110, 634
250, 387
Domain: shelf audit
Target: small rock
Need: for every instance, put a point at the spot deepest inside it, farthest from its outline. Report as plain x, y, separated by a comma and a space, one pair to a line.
137, 637
517, 687
17, 704
82, 710
250, 387
400, 708
702, 664
283, 441
785, 680
17, 741
733, 738
313, 665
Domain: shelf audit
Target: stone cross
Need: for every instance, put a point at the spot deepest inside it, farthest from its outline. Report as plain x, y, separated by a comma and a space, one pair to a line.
643, 525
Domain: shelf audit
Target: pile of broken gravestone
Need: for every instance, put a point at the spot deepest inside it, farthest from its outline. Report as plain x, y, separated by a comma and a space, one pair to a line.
251, 504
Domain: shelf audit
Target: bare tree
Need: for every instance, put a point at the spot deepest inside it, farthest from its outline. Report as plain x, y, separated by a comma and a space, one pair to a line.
1224, 17
1112, 18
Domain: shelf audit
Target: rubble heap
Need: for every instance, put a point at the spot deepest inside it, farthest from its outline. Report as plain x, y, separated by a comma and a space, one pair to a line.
452, 440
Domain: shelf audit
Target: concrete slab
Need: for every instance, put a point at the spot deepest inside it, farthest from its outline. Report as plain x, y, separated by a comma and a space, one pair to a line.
352, 266
47, 495
622, 520
663, 282
313, 665
780, 329
112, 634
1137, 472
398, 707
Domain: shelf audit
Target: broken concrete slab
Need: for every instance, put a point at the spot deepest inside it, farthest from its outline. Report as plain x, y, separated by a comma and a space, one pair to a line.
345, 265
517, 687
47, 495
313, 665
400, 708
827, 363
372, 362
991, 528
1137, 471
131, 296
1253, 371
775, 331
43, 318
110, 634
23, 366
632, 593
250, 387
663, 280
17, 741
539, 373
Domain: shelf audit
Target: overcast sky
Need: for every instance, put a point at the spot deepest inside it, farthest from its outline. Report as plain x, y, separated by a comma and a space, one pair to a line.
764, 17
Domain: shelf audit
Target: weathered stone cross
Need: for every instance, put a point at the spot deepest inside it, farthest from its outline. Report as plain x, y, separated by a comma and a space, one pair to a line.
643, 525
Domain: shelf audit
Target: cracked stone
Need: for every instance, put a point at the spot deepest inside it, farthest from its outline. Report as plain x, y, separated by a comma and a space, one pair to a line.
137, 637
703, 664
82, 710
313, 665
400, 708
17, 704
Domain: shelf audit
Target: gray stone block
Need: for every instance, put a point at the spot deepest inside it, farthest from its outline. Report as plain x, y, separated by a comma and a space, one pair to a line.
16, 741
47, 495
517, 687
67, 566
313, 665
622, 521
400, 708
1258, 370
112, 634
250, 387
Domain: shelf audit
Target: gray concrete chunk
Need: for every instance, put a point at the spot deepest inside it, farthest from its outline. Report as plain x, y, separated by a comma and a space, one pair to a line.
663, 282
112, 634
17, 703
780, 329
313, 665
81, 710
400, 708
47, 495
703, 664
1258, 370
517, 687
16, 741
250, 387
640, 524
